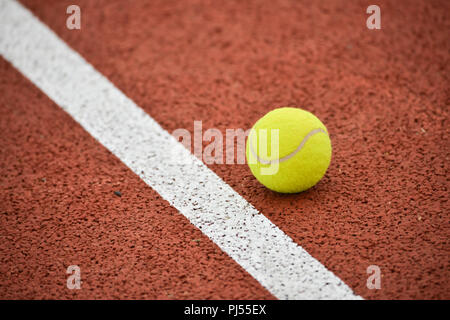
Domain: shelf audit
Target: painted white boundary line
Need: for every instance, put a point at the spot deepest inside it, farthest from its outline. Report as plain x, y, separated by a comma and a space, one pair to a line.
261, 248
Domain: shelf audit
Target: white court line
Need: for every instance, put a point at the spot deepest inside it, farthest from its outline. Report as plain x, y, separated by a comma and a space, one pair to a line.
248, 237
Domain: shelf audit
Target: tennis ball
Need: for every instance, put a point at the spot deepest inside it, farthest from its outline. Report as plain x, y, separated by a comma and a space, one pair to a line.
288, 150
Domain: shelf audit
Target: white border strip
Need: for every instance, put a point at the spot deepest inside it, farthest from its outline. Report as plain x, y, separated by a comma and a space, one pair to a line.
247, 236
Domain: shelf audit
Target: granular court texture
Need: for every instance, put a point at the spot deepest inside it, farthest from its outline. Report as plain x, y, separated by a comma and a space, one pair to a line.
383, 95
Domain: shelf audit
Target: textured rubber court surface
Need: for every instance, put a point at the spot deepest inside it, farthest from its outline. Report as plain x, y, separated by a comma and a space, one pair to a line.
383, 95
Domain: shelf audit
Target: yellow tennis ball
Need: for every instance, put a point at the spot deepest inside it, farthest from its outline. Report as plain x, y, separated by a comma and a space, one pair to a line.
288, 150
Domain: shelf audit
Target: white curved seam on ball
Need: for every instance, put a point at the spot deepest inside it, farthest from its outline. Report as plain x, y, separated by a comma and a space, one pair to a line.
299, 148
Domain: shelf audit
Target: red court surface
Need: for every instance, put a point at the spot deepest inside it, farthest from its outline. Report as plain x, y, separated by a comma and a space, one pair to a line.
383, 95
